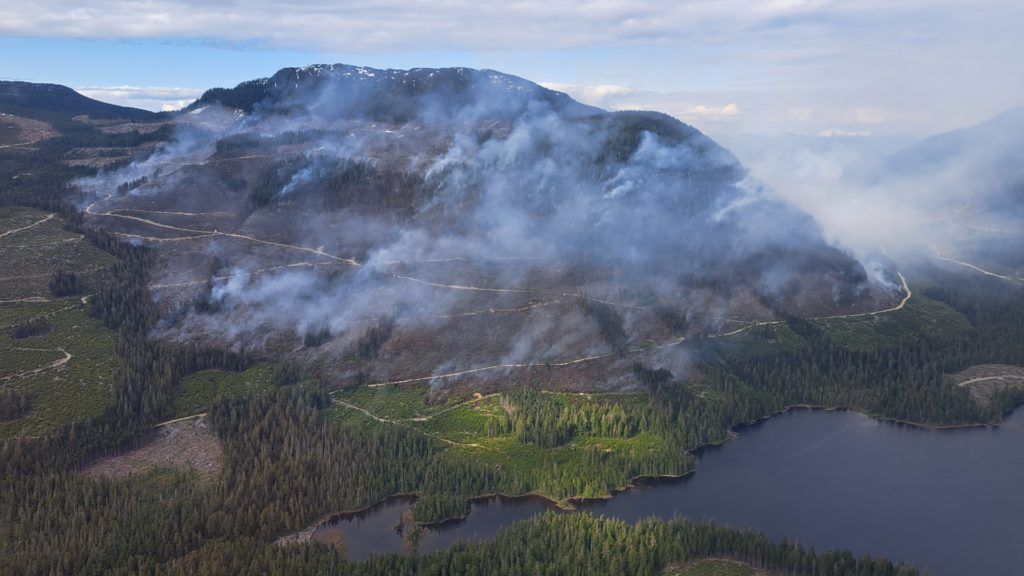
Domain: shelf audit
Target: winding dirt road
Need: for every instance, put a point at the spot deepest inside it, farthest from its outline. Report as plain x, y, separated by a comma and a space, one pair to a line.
907, 294
46, 315
405, 423
509, 366
514, 291
1001, 378
32, 225
455, 407
171, 213
229, 276
977, 268
26, 144
182, 419
55, 364
90, 210
28, 300
196, 234
488, 311
674, 342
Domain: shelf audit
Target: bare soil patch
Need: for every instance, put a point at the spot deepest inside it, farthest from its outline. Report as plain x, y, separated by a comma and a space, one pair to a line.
185, 444
984, 380
17, 132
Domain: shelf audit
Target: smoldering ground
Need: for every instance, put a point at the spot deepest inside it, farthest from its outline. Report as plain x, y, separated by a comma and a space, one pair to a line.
484, 216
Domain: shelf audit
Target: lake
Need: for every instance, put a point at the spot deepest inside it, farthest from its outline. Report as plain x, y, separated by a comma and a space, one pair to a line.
948, 501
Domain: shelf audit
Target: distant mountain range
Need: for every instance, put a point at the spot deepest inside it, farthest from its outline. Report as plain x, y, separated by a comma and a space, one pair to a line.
48, 101
998, 139
979, 165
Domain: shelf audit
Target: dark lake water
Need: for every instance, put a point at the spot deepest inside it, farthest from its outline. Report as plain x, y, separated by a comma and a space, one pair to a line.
950, 502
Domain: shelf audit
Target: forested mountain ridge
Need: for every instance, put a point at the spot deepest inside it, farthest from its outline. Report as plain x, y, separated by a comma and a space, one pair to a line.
974, 169
384, 95
439, 204
336, 305
46, 101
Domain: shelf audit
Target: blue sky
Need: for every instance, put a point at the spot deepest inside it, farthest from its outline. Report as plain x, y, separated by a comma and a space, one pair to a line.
727, 66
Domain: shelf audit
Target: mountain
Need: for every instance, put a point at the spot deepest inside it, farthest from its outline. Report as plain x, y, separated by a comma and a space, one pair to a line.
998, 137
388, 95
977, 166
49, 101
461, 225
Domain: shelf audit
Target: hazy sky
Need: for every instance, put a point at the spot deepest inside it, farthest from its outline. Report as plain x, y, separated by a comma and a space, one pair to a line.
727, 66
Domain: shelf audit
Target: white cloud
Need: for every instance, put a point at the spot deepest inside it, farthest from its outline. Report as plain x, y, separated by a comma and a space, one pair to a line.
909, 66
679, 104
389, 24
597, 95
365, 25
705, 111
614, 96
162, 98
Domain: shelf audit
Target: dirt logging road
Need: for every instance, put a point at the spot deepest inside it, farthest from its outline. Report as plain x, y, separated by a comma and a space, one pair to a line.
32, 225
199, 233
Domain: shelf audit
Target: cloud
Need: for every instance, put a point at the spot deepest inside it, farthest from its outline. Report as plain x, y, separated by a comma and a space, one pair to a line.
705, 111
370, 26
157, 98
682, 105
422, 24
601, 95
915, 66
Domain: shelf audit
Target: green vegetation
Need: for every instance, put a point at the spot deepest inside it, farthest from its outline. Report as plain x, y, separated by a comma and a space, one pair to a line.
549, 544
10, 133
759, 341
33, 255
293, 453
200, 390
170, 523
888, 365
75, 390
921, 318
712, 567
557, 444
65, 283
336, 457
392, 402
567, 445
31, 327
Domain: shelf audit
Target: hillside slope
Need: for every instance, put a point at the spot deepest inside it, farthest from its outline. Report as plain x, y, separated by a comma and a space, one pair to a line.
49, 101
391, 225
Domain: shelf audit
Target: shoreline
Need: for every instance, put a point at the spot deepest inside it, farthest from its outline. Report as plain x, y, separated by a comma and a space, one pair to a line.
572, 503
870, 415
306, 534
